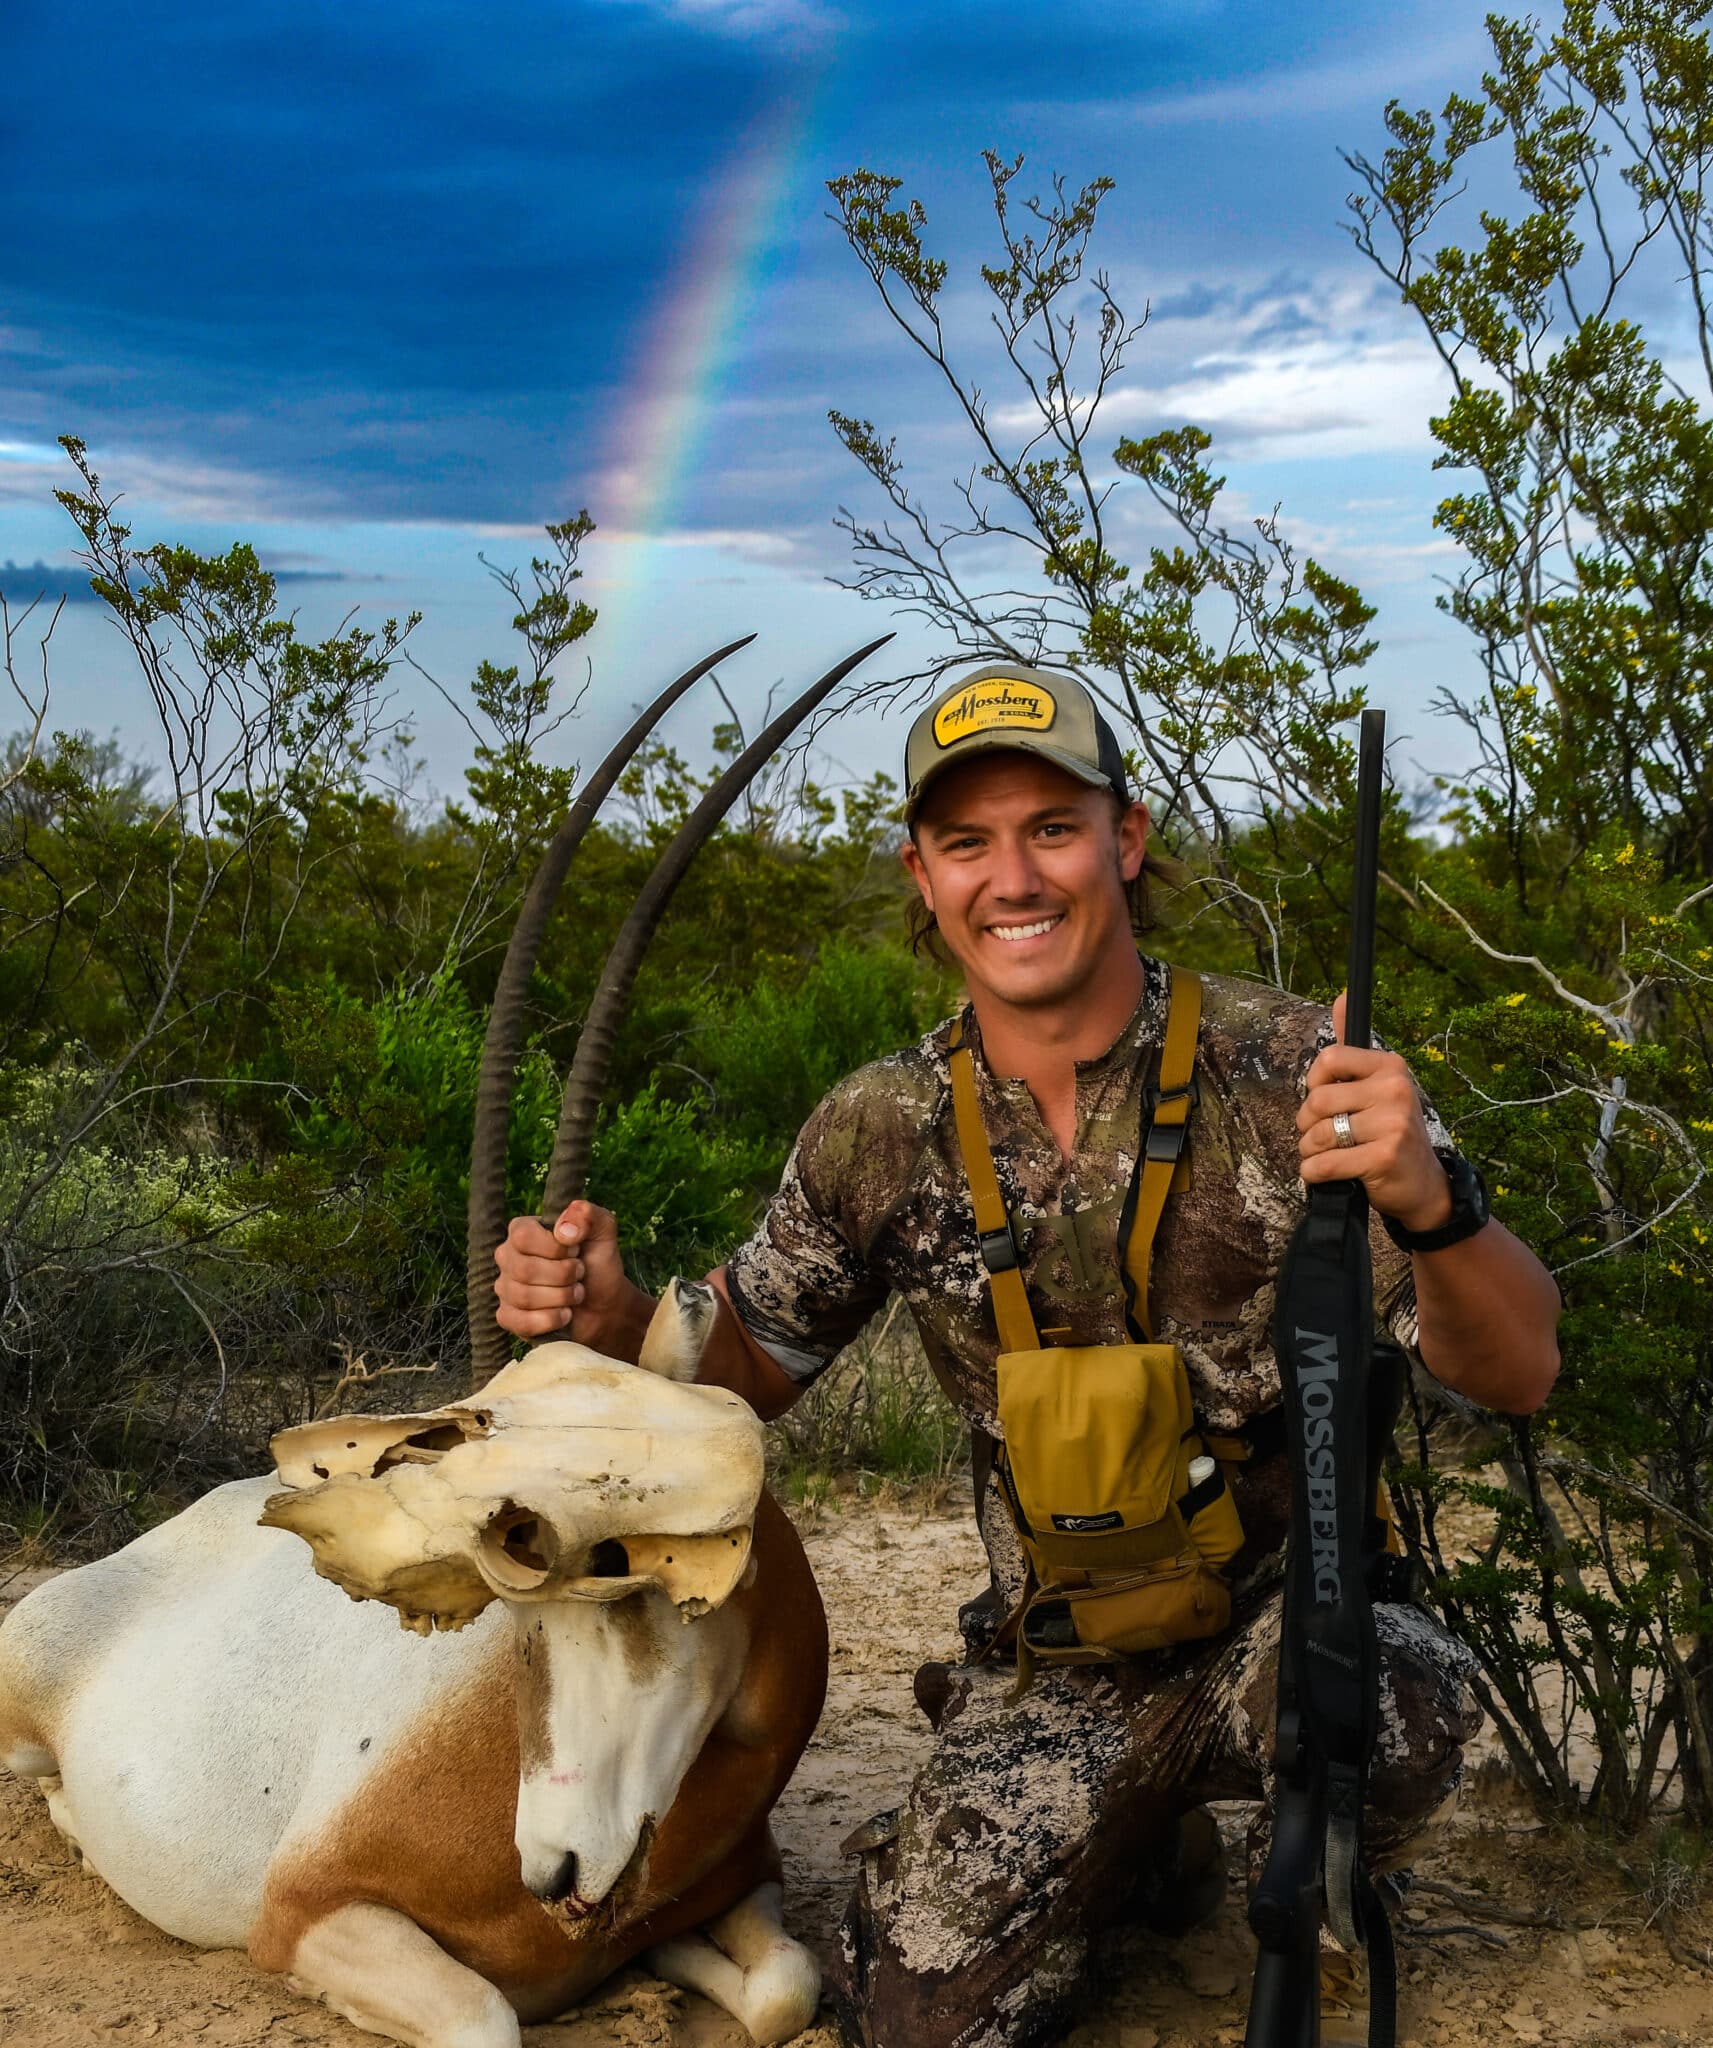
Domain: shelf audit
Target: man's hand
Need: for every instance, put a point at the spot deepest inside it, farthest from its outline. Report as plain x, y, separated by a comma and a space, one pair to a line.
1392, 1154
570, 1280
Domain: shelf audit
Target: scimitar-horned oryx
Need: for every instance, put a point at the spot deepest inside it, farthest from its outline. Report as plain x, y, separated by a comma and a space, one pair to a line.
613, 1651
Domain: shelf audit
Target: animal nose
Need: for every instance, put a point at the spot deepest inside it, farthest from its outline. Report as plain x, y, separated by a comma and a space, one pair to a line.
561, 1880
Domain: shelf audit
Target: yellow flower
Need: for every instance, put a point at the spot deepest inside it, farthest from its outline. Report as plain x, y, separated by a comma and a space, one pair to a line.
1501, 1191
1701, 1123
1432, 1052
1521, 996
1671, 1266
1625, 854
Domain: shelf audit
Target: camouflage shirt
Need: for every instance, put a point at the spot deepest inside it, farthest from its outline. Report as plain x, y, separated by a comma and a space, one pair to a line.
875, 1200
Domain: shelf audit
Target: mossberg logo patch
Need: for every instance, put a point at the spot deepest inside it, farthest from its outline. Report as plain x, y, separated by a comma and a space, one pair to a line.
1000, 701
1087, 1525
1317, 1379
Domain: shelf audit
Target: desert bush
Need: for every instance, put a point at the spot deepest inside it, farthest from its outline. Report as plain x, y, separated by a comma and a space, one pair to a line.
243, 989
878, 1415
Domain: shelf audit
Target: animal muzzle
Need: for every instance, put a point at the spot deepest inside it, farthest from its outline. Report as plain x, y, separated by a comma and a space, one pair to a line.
576, 1885
558, 1887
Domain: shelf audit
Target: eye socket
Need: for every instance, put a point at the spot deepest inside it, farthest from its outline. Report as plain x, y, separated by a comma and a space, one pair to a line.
519, 1548
429, 1445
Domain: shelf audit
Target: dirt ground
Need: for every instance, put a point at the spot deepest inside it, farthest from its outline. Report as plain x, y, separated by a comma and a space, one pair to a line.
78, 1969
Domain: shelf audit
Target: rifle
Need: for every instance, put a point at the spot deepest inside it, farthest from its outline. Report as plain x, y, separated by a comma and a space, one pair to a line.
1342, 1390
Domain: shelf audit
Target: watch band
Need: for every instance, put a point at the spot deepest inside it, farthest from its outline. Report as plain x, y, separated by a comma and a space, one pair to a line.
1469, 1210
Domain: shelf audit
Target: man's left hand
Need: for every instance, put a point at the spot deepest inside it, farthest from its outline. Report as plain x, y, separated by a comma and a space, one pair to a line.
1391, 1153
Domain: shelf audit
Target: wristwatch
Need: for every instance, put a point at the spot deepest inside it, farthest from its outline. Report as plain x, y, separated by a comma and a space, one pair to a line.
1469, 1209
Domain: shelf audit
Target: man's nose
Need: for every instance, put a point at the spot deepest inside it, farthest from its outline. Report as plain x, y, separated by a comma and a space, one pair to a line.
1014, 874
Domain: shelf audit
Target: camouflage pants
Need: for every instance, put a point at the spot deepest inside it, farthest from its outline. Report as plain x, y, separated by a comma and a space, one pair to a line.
979, 1907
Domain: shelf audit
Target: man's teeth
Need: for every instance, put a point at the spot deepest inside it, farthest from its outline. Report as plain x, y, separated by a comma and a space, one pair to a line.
1025, 931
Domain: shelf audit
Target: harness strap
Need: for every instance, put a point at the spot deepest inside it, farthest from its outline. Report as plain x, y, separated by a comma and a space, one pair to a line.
992, 1221
1159, 1170
1171, 1100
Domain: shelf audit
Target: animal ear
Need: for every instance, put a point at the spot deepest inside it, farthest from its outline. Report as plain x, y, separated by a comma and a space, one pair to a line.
679, 1329
365, 1540
368, 1445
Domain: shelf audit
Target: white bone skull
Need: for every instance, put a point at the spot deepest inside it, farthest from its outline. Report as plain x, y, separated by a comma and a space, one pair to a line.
569, 1476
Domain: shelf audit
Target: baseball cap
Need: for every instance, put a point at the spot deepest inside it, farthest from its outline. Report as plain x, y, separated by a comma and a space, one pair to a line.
1007, 708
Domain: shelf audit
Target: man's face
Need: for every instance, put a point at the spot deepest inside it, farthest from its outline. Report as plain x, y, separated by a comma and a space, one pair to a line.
1024, 868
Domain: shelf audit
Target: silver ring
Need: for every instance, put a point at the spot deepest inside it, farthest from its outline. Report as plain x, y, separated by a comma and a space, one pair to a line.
1342, 1134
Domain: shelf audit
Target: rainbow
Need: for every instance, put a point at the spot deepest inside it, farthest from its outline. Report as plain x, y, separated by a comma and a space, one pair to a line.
652, 452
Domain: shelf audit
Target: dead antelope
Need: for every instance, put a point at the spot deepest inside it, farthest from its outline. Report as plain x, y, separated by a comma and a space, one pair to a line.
613, 1651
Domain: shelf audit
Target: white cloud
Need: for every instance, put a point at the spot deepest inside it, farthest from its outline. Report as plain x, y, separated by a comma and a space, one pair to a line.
1310, 89
1320, 398
28, 453
30, 474
1319, 370
775, 18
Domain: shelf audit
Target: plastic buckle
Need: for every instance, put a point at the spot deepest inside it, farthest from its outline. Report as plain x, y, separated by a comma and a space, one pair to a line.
1165, 1141
998, 1250
1192, 1088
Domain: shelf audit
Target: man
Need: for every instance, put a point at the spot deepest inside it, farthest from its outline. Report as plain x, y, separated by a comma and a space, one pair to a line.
980, 1905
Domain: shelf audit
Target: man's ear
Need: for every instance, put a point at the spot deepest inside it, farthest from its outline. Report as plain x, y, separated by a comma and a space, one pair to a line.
1133, 828
910, 854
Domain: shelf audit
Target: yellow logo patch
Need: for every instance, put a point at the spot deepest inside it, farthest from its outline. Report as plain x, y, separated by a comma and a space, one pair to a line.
999, 701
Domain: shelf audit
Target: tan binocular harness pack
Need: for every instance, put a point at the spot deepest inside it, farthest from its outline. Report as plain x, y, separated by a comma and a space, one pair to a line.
1120, 1501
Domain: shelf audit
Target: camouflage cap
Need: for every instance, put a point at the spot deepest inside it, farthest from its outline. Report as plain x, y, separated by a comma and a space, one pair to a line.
1006, 707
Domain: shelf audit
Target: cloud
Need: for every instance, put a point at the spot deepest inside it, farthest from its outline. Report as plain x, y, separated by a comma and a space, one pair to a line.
771, 18
29, 453
24, 582
1306, 91
1417, 55
181, 486
1323, 398
1311, 369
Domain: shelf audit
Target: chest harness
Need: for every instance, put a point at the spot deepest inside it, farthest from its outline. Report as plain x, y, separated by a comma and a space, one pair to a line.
1120, 1500
1125, 1520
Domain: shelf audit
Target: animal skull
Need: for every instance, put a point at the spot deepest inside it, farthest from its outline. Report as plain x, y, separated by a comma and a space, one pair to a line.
570, 1476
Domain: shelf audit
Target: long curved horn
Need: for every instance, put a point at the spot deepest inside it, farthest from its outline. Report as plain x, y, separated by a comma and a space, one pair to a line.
588, 1076
490, 1347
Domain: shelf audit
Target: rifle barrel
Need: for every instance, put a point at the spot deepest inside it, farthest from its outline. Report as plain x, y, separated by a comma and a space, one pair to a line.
1370, 783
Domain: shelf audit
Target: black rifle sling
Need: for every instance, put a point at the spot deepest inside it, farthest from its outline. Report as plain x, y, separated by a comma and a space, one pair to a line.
1329, 1658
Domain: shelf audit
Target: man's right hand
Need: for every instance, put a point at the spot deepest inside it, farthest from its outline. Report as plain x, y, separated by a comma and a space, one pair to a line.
573, 1271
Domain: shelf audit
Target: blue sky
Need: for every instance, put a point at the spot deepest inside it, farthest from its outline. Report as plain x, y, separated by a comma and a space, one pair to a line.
380, 287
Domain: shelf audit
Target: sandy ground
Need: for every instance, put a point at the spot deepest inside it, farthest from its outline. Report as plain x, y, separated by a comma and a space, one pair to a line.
78, 1967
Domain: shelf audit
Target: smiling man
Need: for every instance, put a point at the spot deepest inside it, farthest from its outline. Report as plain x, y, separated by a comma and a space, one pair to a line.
1054, 1810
